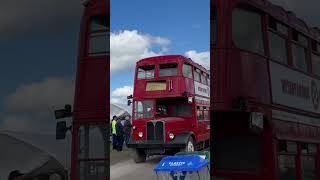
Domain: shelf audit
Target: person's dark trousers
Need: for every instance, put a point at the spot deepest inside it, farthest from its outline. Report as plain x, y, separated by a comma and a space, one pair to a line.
120, 143
114, 141
128, 135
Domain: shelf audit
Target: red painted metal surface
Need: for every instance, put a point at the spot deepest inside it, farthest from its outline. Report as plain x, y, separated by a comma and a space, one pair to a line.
91, 102
240, 73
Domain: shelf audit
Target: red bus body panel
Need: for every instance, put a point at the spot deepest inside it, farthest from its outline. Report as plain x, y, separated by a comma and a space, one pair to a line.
91, 101
240, 73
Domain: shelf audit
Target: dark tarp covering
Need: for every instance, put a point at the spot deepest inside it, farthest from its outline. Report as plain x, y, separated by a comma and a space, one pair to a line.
18, 154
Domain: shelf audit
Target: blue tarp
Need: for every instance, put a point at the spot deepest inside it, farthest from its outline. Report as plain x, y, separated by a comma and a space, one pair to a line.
181, 163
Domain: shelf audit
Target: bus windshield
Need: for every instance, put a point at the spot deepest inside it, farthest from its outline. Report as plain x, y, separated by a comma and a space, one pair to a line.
173, 107
143, 109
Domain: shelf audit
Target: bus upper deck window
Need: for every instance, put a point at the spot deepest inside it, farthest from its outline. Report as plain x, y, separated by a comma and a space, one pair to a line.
203, 79
299, 57
278, 47
278, 27
316, 57
315, 46
247, 30
316, 64
168, 70
98, 36
187, 71
196, 75
146, 72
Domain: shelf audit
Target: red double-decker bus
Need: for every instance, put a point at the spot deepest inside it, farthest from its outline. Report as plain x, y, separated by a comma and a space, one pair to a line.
265, 84
90, 132
170, 106
91, 104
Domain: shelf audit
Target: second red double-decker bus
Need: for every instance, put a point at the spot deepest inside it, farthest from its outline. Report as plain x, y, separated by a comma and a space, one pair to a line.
265, 93
90, 132
170, 106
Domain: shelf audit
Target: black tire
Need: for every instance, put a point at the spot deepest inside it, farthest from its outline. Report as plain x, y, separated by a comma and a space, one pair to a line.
139, 156
190, 143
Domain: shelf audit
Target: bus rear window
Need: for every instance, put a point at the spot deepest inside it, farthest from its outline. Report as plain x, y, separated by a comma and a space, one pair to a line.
168, 70
146, 72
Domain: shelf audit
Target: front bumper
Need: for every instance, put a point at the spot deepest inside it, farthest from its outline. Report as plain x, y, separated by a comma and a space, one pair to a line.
155, 144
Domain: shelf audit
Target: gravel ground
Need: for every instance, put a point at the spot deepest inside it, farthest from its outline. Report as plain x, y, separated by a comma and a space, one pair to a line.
128, 169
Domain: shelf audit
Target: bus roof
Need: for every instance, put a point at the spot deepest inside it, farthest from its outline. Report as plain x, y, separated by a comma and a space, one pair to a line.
166, 58
284, 16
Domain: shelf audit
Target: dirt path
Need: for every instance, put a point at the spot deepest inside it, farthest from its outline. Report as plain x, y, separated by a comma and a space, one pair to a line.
128, 169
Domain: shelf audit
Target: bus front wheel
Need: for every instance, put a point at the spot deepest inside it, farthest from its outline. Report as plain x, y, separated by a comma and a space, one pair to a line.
190, 146
139, 156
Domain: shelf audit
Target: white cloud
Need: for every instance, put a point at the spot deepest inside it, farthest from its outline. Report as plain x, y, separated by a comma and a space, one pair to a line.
202, 58
127, 47
41, 96
119, 95
122, 91
31, 107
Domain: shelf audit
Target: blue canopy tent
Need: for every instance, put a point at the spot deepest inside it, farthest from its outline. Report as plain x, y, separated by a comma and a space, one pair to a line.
183, 167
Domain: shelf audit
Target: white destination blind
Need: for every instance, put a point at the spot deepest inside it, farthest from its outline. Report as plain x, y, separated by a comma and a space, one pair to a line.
294, 89
201, 89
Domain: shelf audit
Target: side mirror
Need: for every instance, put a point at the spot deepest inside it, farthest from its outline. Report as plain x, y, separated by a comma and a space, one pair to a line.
129, 102
256, 121
61, 130
63, 113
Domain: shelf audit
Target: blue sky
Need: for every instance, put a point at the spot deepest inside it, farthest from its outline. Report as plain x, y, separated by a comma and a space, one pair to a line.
182, 23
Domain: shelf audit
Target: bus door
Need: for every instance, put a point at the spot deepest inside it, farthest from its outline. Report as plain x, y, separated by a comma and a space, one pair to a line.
206, 123
200, 122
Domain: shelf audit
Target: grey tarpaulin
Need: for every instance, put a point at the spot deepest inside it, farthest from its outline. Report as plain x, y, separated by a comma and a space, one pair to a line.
18, 154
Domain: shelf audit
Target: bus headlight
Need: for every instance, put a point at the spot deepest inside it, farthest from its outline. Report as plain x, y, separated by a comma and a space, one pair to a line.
171, 135
140, 134
134, 127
